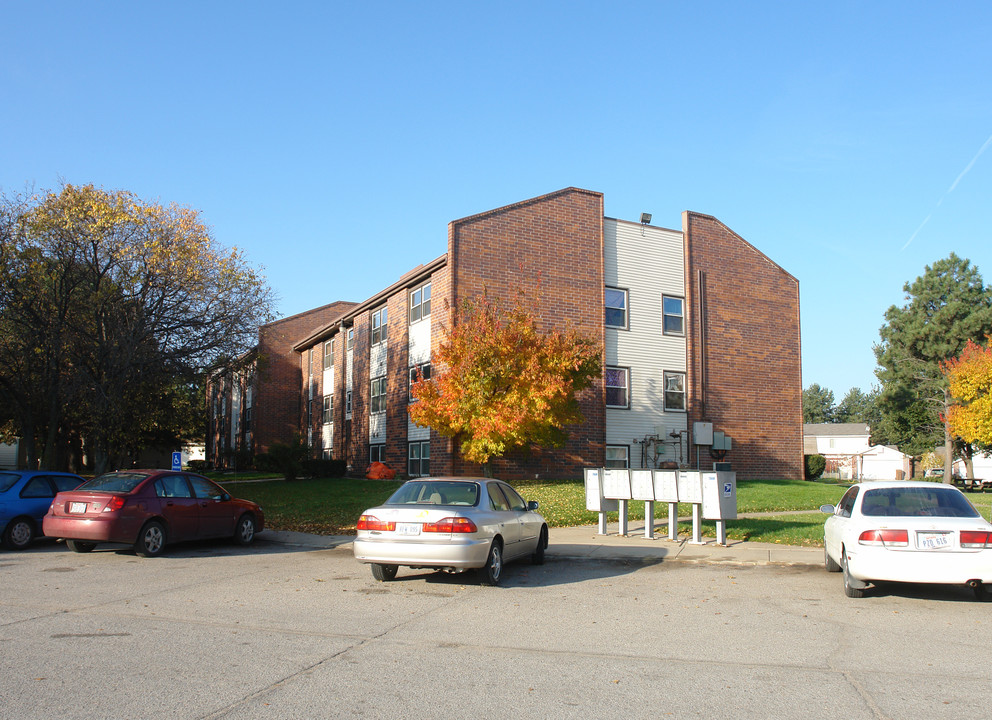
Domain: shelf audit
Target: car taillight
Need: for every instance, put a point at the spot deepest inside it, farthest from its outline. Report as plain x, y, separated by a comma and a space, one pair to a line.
976, 539
894, 538
114, 504
451, 525
371, 522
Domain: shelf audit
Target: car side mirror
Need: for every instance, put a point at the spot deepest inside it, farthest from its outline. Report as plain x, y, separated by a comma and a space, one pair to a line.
532, 505
828, 509
225, 497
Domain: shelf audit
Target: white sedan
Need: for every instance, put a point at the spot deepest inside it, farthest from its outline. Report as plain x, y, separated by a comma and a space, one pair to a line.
916, 532
451, 524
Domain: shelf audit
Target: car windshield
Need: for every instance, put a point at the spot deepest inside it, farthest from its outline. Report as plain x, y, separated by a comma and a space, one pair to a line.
7, 480
435, 492
114, 482
917, 502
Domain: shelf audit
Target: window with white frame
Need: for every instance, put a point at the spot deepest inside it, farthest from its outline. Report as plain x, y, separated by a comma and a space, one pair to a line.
350, 342
617, 456
420, 303
616, 308
329, 354
377, 453
673, 315
617, 385
419, 373
379, 322
377, 396
419, 459
674, 390
328, 413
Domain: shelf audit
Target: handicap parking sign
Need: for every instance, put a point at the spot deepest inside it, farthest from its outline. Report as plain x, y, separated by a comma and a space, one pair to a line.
177, 461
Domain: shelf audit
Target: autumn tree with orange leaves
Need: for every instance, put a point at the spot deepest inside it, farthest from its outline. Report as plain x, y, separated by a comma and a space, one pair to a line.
501, 384
970, 378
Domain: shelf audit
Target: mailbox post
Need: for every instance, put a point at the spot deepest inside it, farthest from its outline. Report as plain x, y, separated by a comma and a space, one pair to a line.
616, 486
691, 491
666, 490
642, 488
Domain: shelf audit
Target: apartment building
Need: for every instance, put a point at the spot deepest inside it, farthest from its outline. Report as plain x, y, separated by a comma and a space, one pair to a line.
254, 401
697, 325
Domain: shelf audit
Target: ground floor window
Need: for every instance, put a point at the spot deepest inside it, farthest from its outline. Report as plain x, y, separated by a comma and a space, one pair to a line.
377, 453
328, 453
419, 459
617, 456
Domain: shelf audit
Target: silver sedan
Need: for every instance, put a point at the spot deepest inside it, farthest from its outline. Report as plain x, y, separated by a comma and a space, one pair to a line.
451, 524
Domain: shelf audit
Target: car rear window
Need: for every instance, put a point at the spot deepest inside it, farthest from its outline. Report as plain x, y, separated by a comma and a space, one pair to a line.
435, 492
917, 502
114, 482
7, 480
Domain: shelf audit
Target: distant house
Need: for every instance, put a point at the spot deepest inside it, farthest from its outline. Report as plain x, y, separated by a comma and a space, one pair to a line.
850, 455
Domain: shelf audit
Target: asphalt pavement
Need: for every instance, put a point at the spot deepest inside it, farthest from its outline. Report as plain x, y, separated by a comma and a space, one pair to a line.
585, 542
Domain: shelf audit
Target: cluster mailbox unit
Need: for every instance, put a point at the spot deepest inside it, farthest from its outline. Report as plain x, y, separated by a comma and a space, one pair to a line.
712, 494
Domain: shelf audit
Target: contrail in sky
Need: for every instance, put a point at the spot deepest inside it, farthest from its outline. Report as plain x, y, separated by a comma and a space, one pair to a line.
948, 191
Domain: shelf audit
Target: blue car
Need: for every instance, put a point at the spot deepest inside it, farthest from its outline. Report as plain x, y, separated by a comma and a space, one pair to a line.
25, 496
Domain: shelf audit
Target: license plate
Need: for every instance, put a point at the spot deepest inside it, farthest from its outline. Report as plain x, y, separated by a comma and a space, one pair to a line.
933, 540
407, 528
77, 507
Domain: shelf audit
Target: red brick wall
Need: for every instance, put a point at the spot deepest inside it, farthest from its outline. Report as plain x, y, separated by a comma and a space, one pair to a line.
277, 399
744, 365
551, 249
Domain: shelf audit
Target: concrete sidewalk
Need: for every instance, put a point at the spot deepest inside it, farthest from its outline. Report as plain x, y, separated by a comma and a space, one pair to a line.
585, 542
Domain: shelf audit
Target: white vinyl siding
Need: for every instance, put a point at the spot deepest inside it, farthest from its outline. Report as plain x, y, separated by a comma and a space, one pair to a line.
647, 262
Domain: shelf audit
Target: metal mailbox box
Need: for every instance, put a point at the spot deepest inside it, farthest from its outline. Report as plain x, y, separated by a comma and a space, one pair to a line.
690, 486
720, 495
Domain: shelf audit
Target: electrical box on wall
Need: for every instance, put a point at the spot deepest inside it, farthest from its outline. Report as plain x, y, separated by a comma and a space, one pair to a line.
702, 433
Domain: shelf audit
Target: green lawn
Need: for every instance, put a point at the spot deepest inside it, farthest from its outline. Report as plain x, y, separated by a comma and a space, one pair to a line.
331, 506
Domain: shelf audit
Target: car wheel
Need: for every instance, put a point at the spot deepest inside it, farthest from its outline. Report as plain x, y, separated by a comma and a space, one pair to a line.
828, 562
244, 532
537, 557
493, 569
19, 533
384, 573
151, 539
852, 588
79, 545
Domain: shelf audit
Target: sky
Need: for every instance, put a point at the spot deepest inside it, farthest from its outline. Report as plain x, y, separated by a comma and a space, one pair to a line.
332, 143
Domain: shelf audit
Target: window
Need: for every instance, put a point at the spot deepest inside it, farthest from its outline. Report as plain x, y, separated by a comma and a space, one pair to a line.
419, 373
350, 342
673, 317
347, 404
377, 453
497, 501
328, 415
420, 303
616, 387
419, 459
378, 395
617, 456
37, 487
616, 308
379, 322
513, 497
674, 391
329, 354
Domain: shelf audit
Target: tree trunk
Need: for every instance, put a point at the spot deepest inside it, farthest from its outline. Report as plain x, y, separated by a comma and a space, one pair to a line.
948, 442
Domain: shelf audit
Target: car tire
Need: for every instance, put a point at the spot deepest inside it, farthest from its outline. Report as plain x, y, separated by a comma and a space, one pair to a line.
151, 539
384, 573
244, 531
80, 546
492, 571
537, 558
828, 562
19, 533
851, 588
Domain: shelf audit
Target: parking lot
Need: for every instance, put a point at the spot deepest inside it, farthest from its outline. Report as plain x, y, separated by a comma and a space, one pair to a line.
289, 631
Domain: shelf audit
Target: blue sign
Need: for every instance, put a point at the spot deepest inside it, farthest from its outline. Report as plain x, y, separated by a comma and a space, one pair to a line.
728, 489
177, 461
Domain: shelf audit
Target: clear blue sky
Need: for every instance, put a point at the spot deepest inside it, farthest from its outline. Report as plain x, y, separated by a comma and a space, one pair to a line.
333, 142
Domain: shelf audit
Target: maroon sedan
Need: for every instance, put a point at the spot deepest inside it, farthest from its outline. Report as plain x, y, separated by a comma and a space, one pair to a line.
147, 509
